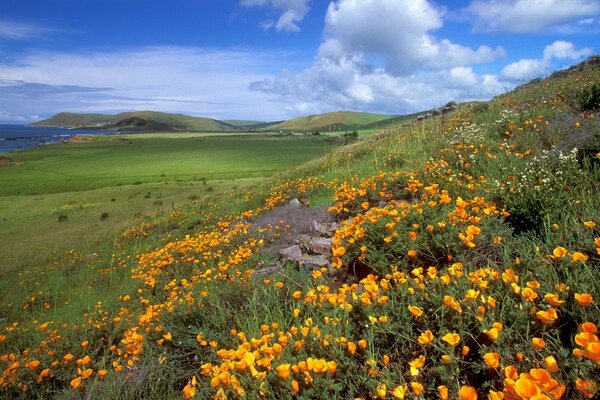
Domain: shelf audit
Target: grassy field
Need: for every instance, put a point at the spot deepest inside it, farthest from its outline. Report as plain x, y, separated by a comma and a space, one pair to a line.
466, 265
112, 181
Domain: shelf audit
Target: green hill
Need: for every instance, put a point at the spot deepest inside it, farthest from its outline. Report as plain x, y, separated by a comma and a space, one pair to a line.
73, 120
147, 121
333, 121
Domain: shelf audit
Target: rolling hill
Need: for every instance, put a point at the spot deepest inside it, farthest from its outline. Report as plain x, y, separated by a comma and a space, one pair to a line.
148, 121
333, 121
151, 121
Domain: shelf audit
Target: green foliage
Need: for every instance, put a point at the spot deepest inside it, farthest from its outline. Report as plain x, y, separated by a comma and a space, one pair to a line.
589, 99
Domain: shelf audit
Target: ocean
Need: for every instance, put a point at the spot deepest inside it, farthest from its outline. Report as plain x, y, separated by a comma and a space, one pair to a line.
20, 137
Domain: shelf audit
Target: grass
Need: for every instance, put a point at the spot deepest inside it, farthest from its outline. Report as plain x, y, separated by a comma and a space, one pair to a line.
129, 177
478, 242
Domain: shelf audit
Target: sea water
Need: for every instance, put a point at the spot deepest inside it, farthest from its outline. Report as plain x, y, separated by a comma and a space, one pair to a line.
20, 137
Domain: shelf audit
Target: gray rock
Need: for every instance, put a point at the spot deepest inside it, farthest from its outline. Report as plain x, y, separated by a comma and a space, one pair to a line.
326, 229
295, 203
303, 241
292, 253
266, 271
320, 246
314, 262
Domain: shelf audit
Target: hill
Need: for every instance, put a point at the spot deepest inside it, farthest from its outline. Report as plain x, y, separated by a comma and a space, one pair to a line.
73, 120
457, 257
147, 121
333, 121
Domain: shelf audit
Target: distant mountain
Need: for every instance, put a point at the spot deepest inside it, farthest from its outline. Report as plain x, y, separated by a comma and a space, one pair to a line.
147, 121
333, 121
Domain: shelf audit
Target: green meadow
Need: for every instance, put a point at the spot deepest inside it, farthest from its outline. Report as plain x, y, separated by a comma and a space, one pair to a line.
54, 197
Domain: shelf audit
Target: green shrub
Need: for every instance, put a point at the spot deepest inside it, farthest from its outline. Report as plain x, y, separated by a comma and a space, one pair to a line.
589, 99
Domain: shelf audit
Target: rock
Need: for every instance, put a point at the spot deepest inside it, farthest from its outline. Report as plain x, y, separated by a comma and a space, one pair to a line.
324, 229
303, 241
295, 203
292, 253
314, 262
320, 246
266, 271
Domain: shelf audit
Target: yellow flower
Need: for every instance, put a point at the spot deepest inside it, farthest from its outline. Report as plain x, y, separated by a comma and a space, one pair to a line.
589, 224
416, 387
381, 391
547, 317
553, 299
399, 392
442, 392
451, 338
551, 364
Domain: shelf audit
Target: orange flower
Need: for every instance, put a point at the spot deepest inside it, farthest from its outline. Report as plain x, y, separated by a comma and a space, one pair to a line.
584, 299
577, 256
189, 391
551, 364
451, 338
526, 388
76, 383
283, 371
547, 317
295, 386
415, 311
491, 359
416, 387
553, 299
559, 252
589, 327
412, 253
467, 393
425, 337
442, 392
589, 224
538, 343
587, 388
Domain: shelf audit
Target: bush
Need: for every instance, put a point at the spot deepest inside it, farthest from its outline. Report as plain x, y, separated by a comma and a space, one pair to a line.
589, 99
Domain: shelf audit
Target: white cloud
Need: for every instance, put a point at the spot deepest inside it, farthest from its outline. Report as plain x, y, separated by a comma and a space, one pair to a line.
293, 12
523, 16
526, 68
18, 30
172, 79
381, 55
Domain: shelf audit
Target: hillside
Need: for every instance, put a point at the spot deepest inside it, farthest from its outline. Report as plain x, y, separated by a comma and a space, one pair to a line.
333, 121
73, 120
456, 257
147, 121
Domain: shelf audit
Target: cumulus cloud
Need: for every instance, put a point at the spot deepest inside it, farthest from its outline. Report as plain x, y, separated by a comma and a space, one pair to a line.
526, 68
201, 82
293, 11
524, 16
381, 55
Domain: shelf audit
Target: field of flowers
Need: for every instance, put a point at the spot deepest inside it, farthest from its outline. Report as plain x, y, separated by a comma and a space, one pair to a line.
466, 265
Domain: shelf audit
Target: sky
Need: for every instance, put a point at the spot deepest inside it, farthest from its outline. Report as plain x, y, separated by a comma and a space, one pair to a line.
270, 60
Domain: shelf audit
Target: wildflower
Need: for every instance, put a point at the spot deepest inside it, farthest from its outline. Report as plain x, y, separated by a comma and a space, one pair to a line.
381, 391
451, 338
551, 364
442, 392
295, 386
559, 252
587, 388
577, 256
584, 299
283, 371
553, 299
467, 393
547, 317
399, 392
538, 343
491, 359
589, 224
425, 338
76, 383
415, 311
416, 387
526, 388
189, 391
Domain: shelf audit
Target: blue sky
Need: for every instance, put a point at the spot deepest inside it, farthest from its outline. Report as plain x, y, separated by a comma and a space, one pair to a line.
276, 59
